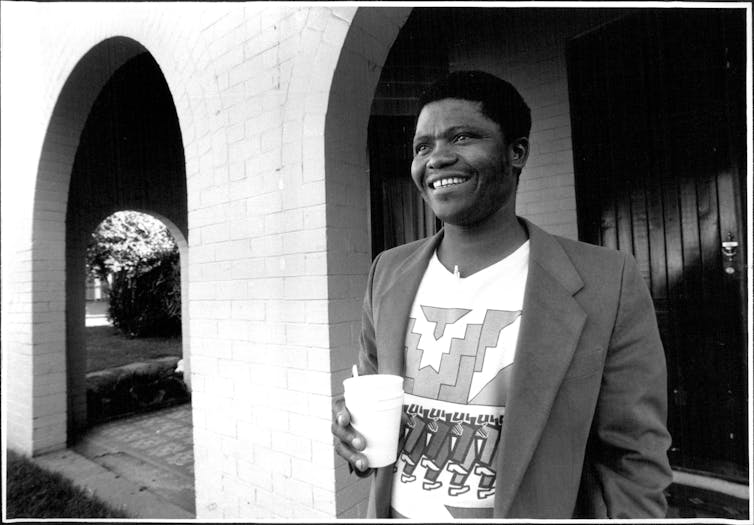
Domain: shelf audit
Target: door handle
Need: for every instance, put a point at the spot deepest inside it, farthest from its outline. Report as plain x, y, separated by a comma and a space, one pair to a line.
730, 247
730, 250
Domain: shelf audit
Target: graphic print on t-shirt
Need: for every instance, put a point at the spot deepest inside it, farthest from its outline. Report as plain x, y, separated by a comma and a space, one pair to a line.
460, 344
448, 357
456, 377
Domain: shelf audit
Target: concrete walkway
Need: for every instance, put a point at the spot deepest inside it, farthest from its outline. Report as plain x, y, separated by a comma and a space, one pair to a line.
141, 465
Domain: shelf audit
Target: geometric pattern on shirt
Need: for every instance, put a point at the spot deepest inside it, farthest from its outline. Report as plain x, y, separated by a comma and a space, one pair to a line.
443, 369
451, 454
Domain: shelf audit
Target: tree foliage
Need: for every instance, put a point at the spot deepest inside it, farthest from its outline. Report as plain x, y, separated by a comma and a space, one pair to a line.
142, 258
146, 300
124, 241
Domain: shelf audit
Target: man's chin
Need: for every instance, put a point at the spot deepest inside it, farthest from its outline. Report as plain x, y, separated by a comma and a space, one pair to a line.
454, 219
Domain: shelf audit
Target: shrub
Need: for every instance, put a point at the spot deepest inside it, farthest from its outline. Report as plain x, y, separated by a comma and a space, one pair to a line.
145, 300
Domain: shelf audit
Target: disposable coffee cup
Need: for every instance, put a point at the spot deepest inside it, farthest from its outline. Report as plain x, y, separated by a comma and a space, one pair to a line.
375, 403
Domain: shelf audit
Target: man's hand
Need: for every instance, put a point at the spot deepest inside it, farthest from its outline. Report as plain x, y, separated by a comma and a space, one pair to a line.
348, 442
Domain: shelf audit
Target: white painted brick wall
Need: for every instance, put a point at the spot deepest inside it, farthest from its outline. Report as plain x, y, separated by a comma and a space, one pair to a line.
260, 274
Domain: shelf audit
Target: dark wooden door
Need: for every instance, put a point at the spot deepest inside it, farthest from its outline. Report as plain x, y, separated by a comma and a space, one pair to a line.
399, 215
658, 115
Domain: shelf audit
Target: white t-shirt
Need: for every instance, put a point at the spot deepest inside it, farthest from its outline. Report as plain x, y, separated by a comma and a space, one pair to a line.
460, 346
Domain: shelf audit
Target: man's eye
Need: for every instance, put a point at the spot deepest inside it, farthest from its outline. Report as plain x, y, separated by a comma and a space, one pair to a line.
420, 148
461, 137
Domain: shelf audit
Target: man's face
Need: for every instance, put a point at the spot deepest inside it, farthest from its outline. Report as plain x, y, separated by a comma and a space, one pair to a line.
462, 164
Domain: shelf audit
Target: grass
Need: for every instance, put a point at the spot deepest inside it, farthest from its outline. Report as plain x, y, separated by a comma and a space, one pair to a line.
33, 492
106, 347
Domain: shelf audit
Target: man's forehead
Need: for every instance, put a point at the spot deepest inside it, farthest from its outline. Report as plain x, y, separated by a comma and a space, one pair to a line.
448, 112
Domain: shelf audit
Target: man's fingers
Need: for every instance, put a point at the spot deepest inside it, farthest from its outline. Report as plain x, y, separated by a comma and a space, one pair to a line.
359, 461
348, 442
340, 413
342, 427
348, 436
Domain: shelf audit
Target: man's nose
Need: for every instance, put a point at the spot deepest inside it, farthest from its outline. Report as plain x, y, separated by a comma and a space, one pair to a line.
442, 155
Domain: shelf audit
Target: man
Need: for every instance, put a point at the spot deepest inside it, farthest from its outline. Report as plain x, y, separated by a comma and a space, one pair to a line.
534, 374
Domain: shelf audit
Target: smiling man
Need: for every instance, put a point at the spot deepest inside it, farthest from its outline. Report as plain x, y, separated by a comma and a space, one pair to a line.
535, 380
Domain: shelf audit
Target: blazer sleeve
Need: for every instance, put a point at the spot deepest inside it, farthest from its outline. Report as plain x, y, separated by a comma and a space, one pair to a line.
630, 450
367, 360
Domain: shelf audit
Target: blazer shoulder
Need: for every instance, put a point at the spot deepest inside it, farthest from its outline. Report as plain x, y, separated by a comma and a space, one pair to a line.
599, 267
589, 255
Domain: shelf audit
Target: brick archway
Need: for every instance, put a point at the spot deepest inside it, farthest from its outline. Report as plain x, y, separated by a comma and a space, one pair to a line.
47, 368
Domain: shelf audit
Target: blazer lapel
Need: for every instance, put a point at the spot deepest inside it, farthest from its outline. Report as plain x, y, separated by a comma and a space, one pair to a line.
392, 307
551, 325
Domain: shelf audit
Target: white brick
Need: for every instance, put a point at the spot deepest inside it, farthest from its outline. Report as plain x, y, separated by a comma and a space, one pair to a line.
233, 329
251, 435
304, 241
295, 446
263, 375
289, 399
295, 490
265, 204
314, 428
269, 460
324, 500
313, 474
308, 334
309, 381
248, 309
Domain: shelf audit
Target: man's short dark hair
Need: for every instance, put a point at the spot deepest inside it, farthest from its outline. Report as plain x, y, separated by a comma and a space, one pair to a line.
501, 102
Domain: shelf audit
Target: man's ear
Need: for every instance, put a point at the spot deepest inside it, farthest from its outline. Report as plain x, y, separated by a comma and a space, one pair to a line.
519, 149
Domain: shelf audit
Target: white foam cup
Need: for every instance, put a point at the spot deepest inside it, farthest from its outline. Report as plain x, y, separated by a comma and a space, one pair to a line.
375, 403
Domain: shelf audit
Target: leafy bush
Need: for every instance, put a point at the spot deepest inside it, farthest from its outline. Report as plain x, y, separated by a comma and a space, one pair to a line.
145, 299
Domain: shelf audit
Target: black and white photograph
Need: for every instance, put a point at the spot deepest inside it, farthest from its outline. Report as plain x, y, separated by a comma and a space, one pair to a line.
321, 261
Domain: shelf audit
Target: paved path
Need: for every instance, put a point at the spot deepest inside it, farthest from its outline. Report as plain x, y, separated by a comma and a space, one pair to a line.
143, 465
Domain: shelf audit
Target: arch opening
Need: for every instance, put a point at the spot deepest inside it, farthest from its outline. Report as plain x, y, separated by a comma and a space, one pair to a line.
113, 142
130, 156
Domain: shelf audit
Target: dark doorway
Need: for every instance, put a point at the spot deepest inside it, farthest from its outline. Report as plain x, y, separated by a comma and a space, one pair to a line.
658, 114
399, 215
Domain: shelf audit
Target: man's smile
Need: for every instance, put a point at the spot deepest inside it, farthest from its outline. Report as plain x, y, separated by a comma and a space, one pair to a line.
445, 181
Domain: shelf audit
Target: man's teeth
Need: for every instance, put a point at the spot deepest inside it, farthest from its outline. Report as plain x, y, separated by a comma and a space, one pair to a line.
446, 182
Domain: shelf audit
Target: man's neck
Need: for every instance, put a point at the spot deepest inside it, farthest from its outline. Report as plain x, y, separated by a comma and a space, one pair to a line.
473, 248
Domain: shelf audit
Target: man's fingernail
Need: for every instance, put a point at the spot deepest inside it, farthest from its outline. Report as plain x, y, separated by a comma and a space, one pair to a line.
341, 420
358, 443
360, 464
